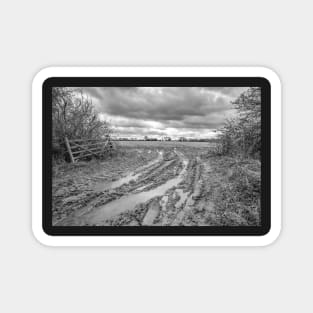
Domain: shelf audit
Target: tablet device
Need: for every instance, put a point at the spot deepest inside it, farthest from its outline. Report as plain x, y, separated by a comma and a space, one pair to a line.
156, 156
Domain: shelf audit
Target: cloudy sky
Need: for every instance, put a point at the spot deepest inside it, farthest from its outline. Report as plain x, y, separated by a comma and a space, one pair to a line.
164, 111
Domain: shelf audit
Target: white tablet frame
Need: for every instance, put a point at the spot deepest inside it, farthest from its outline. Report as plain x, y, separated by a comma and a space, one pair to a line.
213, 240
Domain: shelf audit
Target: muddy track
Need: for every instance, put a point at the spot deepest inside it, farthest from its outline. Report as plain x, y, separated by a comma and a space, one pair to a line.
111, 201
195, 191
169, 187
162, 192
171, 208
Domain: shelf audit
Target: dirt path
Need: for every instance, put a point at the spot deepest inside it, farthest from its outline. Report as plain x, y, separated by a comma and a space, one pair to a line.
149, 182
172, 185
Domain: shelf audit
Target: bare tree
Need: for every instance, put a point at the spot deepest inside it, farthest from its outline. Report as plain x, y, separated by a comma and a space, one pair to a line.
74, 116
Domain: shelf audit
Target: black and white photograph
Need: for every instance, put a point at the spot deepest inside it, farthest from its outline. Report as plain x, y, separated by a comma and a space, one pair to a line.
156, 156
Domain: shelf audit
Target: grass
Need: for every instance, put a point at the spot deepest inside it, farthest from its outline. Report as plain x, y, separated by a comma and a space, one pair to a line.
236, 190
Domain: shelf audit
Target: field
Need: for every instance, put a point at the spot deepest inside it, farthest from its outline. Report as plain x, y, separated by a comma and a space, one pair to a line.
158, 183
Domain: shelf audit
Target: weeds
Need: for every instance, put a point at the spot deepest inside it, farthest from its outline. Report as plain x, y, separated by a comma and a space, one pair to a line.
237, 190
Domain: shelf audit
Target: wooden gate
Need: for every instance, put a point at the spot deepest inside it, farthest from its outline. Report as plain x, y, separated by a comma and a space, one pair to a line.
82, 148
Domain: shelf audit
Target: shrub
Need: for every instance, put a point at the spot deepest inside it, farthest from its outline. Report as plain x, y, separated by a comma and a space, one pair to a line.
241, 135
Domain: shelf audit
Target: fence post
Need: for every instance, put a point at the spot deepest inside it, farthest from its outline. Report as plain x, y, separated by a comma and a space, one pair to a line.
69, 149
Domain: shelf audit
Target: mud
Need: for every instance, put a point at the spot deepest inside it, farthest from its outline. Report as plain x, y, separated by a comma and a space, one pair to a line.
170, 185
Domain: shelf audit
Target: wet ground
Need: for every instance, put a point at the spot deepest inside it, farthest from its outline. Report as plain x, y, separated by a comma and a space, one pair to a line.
166, 184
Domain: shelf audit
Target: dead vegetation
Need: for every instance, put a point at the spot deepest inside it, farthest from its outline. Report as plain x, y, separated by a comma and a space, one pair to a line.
236, 174
74, 117
241, 135
235, 190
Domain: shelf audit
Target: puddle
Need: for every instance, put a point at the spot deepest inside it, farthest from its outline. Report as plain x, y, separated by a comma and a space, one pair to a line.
156, 160
125, 203
181, 214
163, 202
123, 181
115, 184
126, 179
152, 213
143, 187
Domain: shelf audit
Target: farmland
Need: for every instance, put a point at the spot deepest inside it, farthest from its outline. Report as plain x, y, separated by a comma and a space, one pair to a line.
157, 183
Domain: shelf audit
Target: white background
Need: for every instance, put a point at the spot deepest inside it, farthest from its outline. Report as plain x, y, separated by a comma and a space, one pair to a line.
36, 34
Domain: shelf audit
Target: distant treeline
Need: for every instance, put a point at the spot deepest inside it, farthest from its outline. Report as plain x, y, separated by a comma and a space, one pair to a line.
156, 139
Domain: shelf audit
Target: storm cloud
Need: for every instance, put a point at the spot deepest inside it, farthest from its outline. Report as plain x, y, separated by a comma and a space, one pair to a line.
164, 111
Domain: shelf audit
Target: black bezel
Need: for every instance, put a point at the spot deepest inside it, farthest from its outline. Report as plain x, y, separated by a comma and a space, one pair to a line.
157, 82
